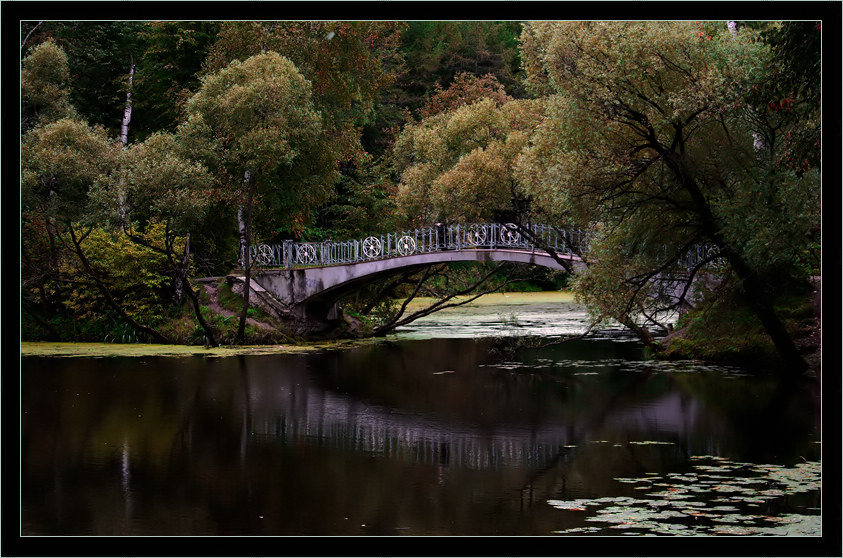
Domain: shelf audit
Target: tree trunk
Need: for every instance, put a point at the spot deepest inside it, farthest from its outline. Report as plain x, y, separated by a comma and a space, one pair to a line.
209, 333
758, 301
124, 139
50, 226
643, 334
245, 243
753, 287
182, 280
127, 112
241, 227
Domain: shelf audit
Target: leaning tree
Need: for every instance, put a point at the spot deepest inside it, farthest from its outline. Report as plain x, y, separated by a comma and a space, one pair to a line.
651, 139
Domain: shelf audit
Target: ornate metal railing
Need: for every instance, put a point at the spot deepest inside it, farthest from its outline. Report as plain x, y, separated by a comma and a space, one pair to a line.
424, 240
435, 238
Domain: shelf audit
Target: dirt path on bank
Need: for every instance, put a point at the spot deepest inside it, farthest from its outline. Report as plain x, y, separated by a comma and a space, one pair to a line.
213, 291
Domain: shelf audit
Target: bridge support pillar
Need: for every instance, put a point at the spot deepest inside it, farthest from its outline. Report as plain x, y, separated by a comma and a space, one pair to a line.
275, 295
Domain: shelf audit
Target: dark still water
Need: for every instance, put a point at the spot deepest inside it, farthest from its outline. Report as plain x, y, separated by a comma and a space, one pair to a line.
416, 437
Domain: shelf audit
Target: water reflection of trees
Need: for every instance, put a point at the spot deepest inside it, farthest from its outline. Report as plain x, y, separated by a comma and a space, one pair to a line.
375, 436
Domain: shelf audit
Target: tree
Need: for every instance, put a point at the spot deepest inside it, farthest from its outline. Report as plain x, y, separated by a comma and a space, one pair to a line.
348, 64
168, 71
45, 86
351, 66
436, 52
464, 90
156, 197
649, 142
789, 98
162, 58
364, 203
60, 162
99, 57
254, 125
458, 165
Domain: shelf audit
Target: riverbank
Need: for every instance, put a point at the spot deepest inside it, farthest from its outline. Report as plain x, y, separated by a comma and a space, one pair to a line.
726, 332
97, 350
512, 314
724, 338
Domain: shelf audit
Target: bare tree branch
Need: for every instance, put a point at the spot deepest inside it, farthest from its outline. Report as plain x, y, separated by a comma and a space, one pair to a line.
91, 272
31, 31
444, 303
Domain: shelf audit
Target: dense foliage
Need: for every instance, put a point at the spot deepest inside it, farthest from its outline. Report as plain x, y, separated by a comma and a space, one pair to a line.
172, 140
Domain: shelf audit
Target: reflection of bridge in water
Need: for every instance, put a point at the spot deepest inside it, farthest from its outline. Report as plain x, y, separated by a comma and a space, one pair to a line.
334, 421
336, 404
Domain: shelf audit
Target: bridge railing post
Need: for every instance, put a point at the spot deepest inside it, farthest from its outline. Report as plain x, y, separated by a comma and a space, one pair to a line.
288, 254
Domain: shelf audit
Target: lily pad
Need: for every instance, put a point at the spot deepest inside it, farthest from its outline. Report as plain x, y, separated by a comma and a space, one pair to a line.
717, 497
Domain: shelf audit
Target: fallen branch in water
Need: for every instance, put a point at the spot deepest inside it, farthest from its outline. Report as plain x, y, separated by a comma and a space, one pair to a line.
567, 338
506, 347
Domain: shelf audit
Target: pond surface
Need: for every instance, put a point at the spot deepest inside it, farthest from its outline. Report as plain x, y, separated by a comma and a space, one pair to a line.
419, 435
542, 314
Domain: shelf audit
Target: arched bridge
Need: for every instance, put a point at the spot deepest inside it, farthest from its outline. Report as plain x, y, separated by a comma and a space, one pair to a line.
308, 278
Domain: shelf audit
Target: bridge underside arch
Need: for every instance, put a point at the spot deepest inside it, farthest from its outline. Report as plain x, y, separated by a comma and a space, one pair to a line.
312, 293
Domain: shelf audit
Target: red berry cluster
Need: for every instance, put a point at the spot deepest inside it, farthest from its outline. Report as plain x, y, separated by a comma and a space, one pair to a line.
784, 104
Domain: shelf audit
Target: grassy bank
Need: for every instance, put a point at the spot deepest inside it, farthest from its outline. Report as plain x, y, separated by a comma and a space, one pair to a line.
726, 331
96, 350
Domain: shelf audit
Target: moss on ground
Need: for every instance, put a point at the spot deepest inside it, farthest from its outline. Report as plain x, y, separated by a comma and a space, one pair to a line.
726, 331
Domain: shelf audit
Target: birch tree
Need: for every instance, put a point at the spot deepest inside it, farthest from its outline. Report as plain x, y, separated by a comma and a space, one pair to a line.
254, 125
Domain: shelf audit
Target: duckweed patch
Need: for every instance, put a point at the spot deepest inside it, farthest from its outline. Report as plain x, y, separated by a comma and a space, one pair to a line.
97, 350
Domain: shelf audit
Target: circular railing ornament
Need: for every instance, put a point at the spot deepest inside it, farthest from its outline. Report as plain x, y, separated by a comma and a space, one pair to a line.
713, 252
371, 247
509, 235
406, 245
305, 254
263, 255
476, 234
